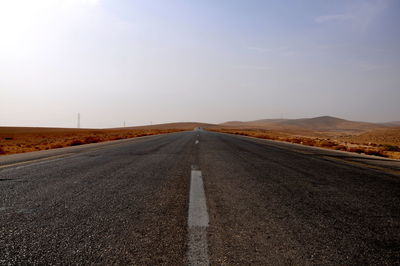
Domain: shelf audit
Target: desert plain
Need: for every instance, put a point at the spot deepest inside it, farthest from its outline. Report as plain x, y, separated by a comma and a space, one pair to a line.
379, 139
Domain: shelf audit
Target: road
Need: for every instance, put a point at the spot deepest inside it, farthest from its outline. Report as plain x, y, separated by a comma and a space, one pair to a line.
251, 201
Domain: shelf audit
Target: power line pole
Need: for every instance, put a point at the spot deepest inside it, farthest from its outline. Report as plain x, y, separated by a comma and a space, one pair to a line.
79, 120
124, 123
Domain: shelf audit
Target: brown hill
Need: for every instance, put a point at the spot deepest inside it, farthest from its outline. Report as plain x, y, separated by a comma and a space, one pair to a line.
392, 124
178, 125
319, 124
264, 123
329, 123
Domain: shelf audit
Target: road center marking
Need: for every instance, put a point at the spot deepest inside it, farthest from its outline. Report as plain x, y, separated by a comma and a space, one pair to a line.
197, 221
196, 142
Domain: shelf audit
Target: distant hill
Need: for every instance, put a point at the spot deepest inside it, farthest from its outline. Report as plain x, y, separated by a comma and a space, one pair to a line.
178, 125
329, 123
255, 123
392, 124
322, 123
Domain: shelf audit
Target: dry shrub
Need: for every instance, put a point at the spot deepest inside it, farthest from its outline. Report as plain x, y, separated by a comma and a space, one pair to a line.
393, 154
391, 148
367, 151
296, 140
56, 146
375, 152
308, 142
355, 149
326, 144
340, 148
76, 142
2, 151
91, 139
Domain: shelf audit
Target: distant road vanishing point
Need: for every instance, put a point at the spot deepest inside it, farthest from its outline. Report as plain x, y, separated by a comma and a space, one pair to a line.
198, 198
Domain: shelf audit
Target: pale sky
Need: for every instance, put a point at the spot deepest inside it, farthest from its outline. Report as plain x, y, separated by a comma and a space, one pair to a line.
205, 60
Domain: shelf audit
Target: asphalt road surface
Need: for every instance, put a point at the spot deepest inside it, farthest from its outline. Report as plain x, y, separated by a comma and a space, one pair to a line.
199, 198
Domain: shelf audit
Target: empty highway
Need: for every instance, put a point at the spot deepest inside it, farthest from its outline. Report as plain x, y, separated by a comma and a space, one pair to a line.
198, 197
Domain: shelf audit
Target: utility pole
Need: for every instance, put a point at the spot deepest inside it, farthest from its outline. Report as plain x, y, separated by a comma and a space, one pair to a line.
79, 120
124, 123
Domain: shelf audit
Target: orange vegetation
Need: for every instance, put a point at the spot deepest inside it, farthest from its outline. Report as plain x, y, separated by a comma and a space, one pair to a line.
364, 145
26, 139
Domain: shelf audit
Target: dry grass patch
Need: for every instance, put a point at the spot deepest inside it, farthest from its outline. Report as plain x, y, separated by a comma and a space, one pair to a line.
20, 139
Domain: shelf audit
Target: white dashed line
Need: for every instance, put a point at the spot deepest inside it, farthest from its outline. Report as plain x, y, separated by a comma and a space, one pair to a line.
197, 221
196, 142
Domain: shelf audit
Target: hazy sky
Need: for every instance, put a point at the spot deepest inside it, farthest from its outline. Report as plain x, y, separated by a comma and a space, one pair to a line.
205, 60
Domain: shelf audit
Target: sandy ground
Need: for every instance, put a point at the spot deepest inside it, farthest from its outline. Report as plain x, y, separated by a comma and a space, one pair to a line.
384, 143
